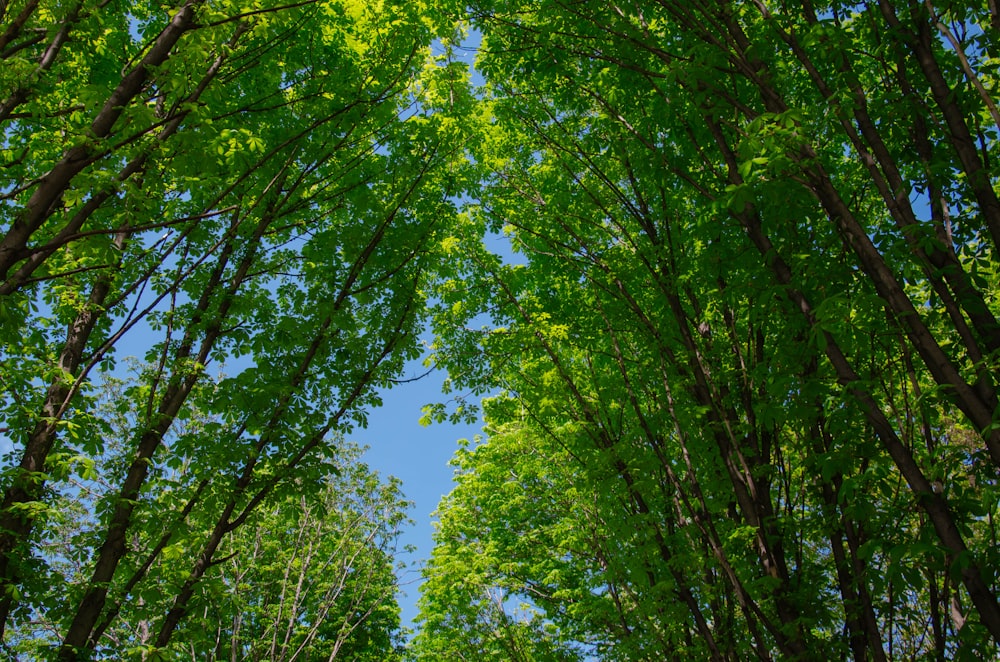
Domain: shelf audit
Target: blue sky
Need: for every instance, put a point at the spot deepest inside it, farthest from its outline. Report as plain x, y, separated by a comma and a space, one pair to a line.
418, 456
399, 446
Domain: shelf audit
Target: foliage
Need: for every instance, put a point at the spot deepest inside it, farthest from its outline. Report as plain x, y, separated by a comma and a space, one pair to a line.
248, 199
308, 578
524, 532
741, 367
750, 325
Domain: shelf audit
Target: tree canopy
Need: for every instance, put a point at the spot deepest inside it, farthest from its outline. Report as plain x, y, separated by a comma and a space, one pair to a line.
247, 199
744, 364
738, 371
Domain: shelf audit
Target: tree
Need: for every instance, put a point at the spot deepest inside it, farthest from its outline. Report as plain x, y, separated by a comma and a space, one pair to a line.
754, 330
521, 564
309, 577
758, 309
199, 184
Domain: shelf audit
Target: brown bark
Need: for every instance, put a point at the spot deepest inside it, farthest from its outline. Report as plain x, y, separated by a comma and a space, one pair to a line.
91, 605
607, 445
979, 404
752, 495
940, 263
21, 94
17, 524
151, 558
744, 454
231, 517
932, 503
920, 43
978, 408
15, 26
698, 508
53, 184
17, 528
741, 454
33, 258
80, 632
859, 610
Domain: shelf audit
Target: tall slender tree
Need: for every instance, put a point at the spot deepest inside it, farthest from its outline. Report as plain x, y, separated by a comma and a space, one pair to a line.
201, 184
757, 309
